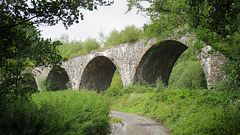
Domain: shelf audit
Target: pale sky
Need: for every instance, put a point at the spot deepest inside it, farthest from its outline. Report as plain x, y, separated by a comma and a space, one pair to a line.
104, 19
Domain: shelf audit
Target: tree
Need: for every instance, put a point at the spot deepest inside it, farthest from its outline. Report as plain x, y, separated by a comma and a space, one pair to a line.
129, 34
70, 47
113, 39
215, 23
101, 38
14, 13
22, 48
90, 44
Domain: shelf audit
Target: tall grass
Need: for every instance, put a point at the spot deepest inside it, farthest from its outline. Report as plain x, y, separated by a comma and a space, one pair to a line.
185, 111
57, 113
75, 112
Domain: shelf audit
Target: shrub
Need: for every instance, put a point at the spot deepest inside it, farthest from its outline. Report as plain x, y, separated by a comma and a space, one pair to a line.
128, 34
61, 112
19, 117
90, 44
46, 86
137, 88
117, 82
188, 75
74, 112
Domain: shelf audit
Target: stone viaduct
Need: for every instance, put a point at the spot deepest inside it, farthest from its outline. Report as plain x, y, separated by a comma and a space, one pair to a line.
142, 60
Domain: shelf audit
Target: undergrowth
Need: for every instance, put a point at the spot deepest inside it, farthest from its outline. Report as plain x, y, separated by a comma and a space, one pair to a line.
75, 112
57, 113
182, 111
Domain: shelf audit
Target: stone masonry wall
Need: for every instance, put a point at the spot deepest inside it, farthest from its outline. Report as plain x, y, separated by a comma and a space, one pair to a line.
126, 57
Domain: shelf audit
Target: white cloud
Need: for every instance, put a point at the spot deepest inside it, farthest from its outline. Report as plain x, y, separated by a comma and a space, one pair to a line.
105, 19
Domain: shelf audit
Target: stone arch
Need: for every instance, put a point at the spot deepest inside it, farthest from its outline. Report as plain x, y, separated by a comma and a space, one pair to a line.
58, 78
158, 61
98, 74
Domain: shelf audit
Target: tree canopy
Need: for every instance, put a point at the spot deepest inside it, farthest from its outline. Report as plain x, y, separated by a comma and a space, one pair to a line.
17, 12
22, 48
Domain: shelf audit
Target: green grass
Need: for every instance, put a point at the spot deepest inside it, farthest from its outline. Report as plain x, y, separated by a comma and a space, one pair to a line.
66, 112
74, 112
185, 111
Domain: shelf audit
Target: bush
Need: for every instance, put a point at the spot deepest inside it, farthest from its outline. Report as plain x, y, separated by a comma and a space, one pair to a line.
188, 75
70, 48
74, 112
137, 88
117, 82
61, 112
90, 44
128, 34
46, 86
19, 117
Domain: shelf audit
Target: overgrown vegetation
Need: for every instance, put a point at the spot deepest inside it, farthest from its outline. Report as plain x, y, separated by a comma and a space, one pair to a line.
187, 73
128, 34
211, 22
186, 106
215, 23
61, 112
22, 49
71, 48
182, 111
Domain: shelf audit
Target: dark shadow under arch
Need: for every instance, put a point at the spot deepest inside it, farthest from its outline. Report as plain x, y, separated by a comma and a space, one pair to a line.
31, 81
58, 79
98, 74
158, 61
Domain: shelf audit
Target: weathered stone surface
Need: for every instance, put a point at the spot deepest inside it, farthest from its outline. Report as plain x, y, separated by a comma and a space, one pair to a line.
141, 60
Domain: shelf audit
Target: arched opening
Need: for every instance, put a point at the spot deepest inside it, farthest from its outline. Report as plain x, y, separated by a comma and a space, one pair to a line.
117, 80
31, 81
187, 73
98, 74
57, 79
158, 61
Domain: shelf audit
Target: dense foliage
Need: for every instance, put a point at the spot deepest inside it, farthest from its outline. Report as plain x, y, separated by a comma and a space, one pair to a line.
182, 111
71, 48
62, 112
128, 34
187, 73
22, 48
215, 23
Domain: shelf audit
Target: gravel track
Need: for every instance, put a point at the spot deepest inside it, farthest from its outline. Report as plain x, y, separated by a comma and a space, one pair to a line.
136, 125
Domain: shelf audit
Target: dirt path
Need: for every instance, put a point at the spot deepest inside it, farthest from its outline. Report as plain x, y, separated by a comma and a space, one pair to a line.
136, 125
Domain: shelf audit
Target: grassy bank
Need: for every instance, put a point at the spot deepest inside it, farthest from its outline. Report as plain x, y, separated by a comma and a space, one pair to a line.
57, 113
183, 111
